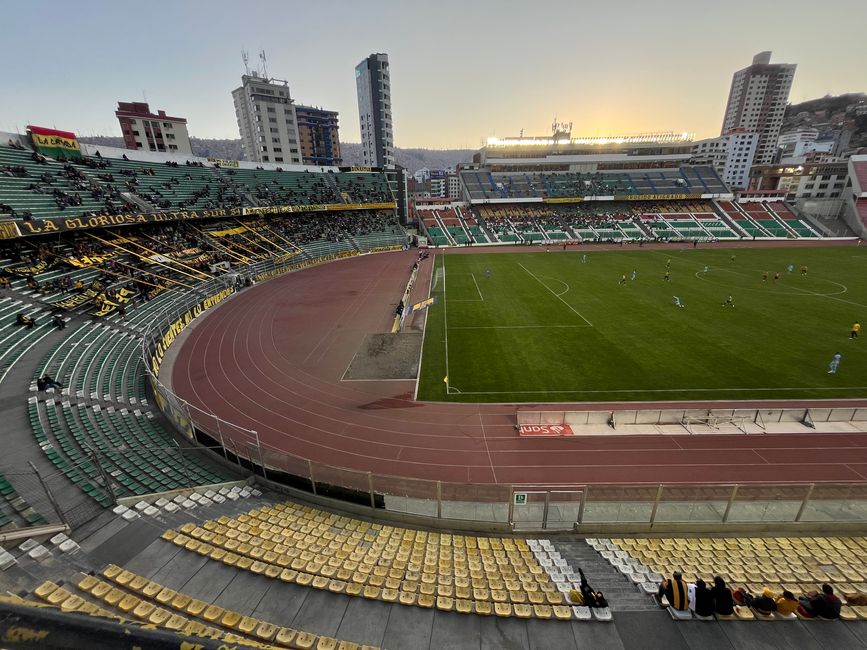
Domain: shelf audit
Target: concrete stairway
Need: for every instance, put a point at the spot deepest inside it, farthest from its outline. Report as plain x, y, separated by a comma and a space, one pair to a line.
622, 595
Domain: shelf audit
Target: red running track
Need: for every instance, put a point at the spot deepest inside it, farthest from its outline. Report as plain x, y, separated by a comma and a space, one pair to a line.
271, 359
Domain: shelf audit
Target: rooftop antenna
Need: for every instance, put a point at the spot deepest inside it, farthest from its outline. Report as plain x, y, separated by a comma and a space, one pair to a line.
245, 57
264, 64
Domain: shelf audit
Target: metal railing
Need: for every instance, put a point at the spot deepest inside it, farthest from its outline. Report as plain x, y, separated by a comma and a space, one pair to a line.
532, 507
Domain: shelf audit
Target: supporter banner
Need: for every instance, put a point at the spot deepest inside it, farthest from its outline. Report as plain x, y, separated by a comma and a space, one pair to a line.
96, 287
9, 230
178, 418
224, 163
549, 430
88, 260
121, 299
34, 269
180, 324
153, 292
318, 207
227, 232
655, 197
50, 142
63, 224
66, 224
564, 199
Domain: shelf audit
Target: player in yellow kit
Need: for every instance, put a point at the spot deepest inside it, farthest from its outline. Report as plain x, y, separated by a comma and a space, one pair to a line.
856, 330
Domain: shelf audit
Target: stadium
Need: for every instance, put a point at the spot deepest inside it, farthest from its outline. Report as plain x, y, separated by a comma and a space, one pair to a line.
272, 405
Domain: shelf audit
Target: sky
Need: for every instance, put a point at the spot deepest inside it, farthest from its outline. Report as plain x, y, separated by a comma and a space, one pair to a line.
460, 70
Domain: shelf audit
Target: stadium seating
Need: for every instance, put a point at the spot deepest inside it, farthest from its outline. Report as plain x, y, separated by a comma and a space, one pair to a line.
483, 184
467, 574
121, 595
36, 187
797, 564
14, 509
50, 176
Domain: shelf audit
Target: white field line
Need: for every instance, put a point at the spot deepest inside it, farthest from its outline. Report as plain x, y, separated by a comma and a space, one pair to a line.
430, 287
446, 324
515, 327
656, 390
575, 311
481, 297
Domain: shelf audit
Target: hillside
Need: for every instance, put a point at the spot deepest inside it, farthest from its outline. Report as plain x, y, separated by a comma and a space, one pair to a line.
830, 113
411, 159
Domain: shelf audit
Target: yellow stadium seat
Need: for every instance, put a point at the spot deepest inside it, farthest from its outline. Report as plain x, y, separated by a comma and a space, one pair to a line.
305, 640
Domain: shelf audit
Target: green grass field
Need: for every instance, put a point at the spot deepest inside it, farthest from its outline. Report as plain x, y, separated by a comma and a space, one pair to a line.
545, 327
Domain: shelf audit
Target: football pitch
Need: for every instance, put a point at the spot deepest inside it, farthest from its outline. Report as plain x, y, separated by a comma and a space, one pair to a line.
549, 327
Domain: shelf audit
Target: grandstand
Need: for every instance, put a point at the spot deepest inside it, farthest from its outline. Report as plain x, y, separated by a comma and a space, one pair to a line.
487, 186
153, 535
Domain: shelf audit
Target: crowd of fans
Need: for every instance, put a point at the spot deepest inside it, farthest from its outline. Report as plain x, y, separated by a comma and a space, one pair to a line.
705, 601
154, 257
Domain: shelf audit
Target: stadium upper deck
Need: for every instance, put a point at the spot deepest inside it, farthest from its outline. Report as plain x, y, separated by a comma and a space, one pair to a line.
560, 169
102, 186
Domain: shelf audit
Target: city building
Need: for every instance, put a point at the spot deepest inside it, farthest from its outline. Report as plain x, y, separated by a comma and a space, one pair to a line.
757, 103
372, 80
438, 183
146, 131
731, 155
318, 135
266, 120
824, 180
454, 186
804, 140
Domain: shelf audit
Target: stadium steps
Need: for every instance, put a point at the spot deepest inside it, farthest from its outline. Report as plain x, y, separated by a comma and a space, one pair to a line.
448, 235
733, 224
621, 594
486, 229
790, 231
753, 228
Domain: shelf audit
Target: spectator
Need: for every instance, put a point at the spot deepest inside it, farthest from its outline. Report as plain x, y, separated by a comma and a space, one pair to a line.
674, 591
40, 385
58, 322
787, 604
822, 605
763, 604
723, 603
590, 597
24, 319
703, 599
50, 383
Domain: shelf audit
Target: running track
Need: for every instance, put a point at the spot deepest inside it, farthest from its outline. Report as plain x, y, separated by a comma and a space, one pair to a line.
271, 358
